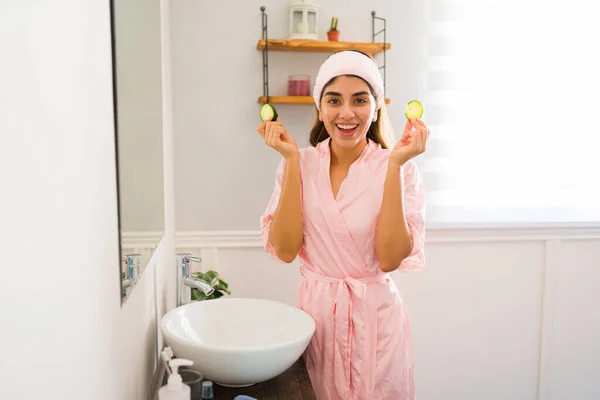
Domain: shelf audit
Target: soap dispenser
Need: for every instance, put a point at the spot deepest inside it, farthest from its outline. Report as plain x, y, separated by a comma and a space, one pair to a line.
175, 389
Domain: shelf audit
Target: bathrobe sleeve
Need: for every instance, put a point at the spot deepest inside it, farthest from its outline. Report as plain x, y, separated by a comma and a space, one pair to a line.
267, 217
414, 204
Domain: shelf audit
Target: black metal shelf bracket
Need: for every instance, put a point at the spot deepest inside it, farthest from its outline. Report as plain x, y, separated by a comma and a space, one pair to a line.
375, 34
265, 54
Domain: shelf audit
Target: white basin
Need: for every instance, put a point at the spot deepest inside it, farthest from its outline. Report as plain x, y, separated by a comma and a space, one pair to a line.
238, 341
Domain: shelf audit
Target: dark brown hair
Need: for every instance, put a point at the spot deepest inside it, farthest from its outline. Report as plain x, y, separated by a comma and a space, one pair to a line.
376, 132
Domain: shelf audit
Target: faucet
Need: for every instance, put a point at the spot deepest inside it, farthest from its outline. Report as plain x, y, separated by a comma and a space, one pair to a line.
126, 281
134, 260
131, 270
185, 282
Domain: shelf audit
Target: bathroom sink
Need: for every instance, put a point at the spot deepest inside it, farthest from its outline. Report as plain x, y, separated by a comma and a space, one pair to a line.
238, 341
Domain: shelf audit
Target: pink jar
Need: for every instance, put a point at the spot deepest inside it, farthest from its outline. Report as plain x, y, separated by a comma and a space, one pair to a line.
298, 85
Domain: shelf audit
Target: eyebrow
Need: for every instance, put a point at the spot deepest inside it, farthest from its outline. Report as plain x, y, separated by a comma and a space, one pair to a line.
363, 93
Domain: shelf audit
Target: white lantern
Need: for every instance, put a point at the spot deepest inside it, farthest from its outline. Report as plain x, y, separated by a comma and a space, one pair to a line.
303, 19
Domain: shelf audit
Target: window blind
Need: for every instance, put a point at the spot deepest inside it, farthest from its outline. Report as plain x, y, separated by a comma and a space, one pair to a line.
511, 91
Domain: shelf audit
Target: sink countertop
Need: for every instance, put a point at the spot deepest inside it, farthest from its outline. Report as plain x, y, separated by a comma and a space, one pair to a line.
293, 384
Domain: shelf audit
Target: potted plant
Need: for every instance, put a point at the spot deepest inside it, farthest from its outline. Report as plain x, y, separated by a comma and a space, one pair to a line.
333, 35
212, 277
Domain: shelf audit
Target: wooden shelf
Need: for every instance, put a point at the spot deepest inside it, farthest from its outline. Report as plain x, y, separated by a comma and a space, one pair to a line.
287, 99
292, 100
315, 46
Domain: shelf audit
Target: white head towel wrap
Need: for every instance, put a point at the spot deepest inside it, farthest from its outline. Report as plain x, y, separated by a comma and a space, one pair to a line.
349, 63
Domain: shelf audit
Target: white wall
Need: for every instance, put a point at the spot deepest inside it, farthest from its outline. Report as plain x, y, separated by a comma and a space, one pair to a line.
217, 79
64, 333
498, 314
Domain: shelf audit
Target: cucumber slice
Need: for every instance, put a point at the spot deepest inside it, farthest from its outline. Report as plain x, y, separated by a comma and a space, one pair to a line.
414, 109
267, 111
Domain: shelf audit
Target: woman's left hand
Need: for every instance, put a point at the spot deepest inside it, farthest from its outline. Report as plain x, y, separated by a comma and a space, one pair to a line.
412, 143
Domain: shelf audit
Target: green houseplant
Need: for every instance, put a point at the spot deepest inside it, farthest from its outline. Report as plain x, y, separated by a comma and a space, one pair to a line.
212, 277
333, 35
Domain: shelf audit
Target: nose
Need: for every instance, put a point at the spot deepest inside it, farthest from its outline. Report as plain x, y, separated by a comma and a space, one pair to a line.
346, 111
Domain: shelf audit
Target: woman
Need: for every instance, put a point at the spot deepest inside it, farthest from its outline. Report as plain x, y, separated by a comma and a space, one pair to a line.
352, 210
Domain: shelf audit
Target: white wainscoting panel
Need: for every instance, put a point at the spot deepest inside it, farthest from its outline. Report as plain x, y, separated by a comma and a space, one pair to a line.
574, 372
475, 314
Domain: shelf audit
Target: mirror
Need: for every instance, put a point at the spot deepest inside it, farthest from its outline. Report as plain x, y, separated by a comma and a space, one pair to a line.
137, 86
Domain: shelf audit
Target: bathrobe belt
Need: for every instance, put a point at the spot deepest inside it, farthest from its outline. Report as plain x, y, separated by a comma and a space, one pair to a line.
342, 311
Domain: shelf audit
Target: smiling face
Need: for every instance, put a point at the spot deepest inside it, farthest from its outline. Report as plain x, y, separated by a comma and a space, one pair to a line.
348, 109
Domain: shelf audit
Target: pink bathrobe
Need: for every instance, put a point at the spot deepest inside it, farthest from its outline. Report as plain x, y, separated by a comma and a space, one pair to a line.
362, 347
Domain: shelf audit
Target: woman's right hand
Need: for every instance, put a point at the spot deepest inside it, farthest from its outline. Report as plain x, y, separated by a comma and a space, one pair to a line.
277, 137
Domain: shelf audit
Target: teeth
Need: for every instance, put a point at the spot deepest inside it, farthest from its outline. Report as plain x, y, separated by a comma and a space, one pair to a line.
347, 126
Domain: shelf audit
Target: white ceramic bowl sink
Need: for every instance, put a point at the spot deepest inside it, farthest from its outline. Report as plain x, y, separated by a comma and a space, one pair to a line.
238, 341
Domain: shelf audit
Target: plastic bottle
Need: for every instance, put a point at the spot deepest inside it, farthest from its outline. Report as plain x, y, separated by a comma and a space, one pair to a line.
175, 389
207, 390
